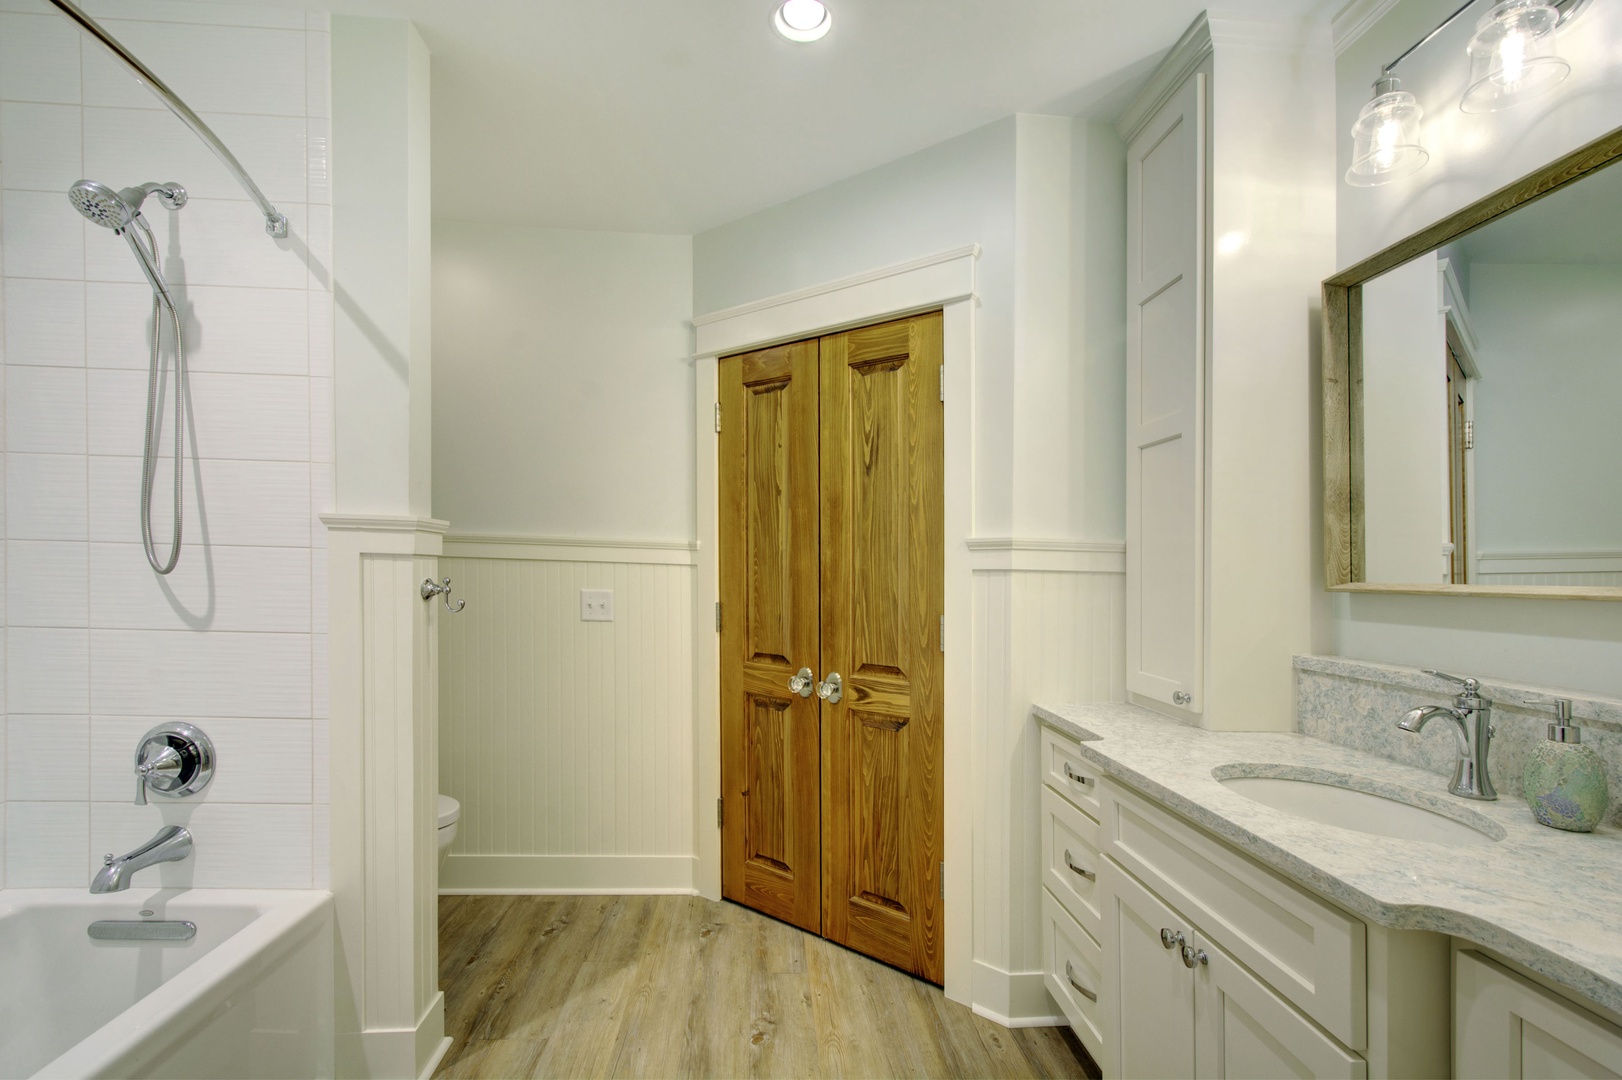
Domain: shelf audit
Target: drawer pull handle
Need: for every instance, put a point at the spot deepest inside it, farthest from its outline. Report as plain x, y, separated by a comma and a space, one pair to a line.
1171, 938
1070, 862
1193, 956
1075, 777
1070, 973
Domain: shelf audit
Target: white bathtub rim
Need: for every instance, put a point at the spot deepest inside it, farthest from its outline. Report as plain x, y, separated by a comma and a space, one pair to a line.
288, 918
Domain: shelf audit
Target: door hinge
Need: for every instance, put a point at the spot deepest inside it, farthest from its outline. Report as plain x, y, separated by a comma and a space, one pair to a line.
718, 616
718, 418
943, 881
943, 633
1469, 434
720, 812
943, 382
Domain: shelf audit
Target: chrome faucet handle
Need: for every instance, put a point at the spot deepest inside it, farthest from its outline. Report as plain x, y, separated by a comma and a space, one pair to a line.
1470, 685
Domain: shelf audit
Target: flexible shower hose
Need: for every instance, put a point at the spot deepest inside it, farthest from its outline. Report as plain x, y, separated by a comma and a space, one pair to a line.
149, 448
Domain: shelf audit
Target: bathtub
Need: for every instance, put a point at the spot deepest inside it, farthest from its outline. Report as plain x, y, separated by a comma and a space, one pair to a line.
249, 996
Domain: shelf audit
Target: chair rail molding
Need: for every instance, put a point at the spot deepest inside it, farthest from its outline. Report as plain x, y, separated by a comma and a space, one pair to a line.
1065, 556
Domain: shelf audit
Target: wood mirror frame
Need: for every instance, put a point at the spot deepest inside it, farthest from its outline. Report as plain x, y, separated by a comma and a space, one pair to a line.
1342, 380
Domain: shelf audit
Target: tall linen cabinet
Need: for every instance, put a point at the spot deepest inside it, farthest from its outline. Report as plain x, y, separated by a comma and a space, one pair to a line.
1230, 230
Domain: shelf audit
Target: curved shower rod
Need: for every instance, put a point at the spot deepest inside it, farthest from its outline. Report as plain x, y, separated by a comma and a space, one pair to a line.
275, 220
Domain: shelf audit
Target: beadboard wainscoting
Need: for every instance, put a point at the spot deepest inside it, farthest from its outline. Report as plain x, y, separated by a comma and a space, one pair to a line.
1049, 623
569, 744
1591, 569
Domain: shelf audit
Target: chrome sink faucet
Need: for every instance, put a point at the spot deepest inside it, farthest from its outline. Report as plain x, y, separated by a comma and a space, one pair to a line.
171, 844
1472, 719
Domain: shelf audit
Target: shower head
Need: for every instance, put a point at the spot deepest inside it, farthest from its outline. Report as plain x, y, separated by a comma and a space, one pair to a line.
117, 209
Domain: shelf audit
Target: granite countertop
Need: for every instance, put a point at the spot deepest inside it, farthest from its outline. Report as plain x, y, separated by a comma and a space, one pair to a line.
1548, 899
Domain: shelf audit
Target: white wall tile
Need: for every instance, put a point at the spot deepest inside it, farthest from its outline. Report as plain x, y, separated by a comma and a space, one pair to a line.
248, 503
134, 145
239, 331
320, 761
321, 420
256, 761
318, 675
47, 583
319, 308
44, 236
318, 234
212, 68
214, 248
243, 417
317, 157
213, 587
235, 845
47, 845
47, 671
42, 146
318, 62
45, 322
192, 11
165, 673
39, 58
45, 410
47, 758
45, 497
321, 848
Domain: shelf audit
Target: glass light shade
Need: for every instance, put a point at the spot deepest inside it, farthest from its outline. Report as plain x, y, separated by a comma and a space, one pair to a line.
802, 20
1385, 139
1513, 57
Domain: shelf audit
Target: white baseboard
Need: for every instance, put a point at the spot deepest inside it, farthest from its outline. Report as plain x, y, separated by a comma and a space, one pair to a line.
389, 1053
1014, 998
566, 875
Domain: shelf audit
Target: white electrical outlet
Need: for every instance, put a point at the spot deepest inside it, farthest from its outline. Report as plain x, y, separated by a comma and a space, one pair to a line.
596, 605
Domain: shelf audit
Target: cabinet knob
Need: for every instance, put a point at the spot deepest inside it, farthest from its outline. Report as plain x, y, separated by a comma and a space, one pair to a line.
1193, 957
1171, 938
1180, 697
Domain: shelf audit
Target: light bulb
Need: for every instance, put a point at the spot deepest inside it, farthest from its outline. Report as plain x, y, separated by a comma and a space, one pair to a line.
1512, 58
1385, 143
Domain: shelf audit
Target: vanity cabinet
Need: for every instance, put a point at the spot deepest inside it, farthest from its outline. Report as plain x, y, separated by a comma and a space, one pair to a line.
1174, 954
1505, 1025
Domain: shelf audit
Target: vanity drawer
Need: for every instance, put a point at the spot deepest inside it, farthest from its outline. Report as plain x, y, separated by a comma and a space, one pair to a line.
1067, 772
1071, 965
1070, 848
1308, 950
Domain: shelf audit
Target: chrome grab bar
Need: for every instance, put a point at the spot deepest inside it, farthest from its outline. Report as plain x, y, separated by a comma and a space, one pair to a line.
275, 220
142, 930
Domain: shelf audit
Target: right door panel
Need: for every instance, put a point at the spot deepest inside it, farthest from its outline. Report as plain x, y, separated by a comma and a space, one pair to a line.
883, 591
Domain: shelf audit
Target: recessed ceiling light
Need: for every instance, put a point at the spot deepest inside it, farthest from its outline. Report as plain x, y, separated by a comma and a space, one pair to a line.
802, 20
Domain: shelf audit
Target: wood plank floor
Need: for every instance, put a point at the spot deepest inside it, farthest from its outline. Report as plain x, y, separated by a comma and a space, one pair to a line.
665, 986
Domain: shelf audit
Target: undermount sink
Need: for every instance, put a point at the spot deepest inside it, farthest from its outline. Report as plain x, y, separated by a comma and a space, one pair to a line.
1347, 802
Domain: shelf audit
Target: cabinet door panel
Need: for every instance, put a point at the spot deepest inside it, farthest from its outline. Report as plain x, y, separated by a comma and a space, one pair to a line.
1246, 1030
1508, 1026
1165, 547
1149, 1016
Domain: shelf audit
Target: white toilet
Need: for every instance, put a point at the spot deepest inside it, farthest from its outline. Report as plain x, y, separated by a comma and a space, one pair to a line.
450, 811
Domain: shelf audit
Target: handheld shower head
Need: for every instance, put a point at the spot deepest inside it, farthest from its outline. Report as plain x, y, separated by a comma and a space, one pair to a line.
117, 209
101, 204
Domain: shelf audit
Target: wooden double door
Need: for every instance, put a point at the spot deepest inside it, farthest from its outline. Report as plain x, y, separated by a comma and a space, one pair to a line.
831, 556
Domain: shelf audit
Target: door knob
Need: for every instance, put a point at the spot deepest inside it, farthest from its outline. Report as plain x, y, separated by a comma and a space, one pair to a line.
831, 690
800, 683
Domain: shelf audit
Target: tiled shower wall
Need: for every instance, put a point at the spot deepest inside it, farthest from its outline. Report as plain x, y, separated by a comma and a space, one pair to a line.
98, 648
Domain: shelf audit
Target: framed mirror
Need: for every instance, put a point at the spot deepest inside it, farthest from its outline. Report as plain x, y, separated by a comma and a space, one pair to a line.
1473, 397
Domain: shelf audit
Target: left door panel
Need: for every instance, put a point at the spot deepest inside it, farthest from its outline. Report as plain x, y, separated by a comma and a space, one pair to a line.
770, 629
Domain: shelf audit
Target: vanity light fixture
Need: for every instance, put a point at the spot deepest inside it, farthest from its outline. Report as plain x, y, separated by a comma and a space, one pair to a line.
802, 20
1385, 139
1513, 57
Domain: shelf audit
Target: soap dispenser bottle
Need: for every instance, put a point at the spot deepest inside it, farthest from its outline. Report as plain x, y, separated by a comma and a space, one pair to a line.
1564, 781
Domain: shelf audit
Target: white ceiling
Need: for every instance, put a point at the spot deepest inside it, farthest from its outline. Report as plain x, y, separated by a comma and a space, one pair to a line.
680, 115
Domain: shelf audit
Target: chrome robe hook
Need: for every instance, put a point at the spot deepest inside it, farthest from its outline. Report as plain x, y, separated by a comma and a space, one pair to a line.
430, 590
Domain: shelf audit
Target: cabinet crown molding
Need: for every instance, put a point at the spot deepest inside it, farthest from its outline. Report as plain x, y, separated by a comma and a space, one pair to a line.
1191, 50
